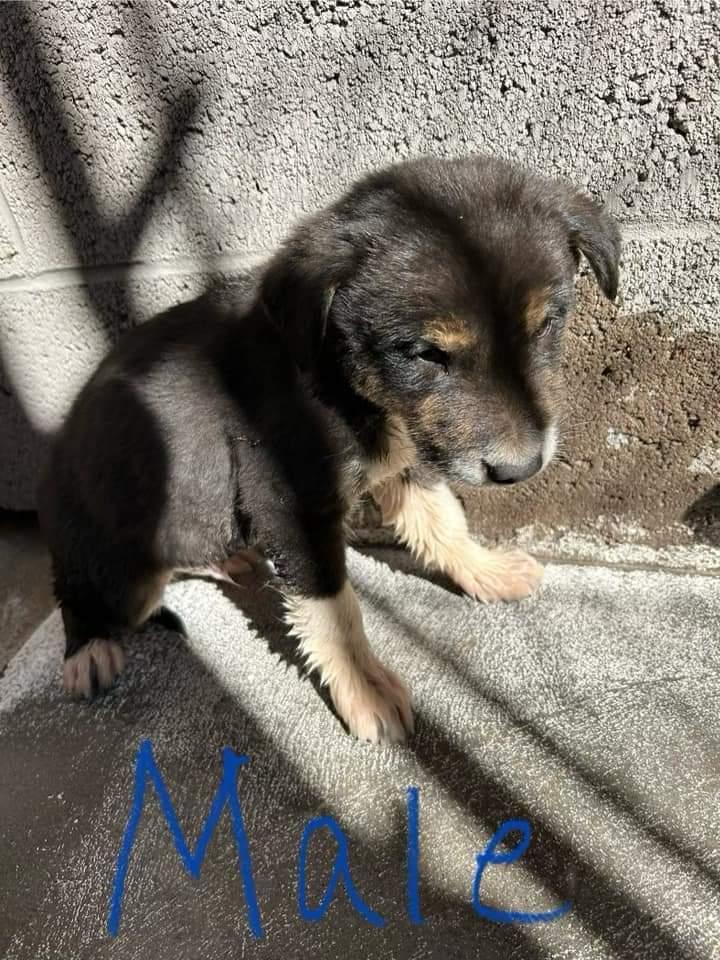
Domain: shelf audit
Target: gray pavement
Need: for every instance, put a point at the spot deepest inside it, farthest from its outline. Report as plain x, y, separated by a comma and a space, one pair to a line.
25, 588
591, 711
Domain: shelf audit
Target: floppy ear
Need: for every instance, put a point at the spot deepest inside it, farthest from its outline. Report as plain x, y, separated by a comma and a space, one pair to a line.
299, 283
594, 234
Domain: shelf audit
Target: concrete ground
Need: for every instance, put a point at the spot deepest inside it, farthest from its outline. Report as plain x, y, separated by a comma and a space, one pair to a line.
25, 589
590, 711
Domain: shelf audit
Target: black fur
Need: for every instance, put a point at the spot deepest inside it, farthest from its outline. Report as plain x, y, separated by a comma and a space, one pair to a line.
213, 427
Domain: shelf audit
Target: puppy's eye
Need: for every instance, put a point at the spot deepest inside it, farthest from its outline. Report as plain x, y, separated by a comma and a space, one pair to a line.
432, 354
545, 327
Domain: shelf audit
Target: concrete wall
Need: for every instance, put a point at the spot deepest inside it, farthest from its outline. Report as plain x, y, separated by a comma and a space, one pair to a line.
142, 144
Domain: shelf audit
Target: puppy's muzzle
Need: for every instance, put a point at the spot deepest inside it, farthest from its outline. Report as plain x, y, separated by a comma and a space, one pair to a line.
514, 472
522, 469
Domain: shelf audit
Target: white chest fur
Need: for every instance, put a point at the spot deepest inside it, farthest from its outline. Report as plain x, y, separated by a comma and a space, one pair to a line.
400, 453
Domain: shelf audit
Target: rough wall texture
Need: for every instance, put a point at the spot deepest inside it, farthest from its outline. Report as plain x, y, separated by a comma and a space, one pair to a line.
142, 145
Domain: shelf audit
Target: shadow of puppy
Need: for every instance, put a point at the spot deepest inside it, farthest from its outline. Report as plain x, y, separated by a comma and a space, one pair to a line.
703, 517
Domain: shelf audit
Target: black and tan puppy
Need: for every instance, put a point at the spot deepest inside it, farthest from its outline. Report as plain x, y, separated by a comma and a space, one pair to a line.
407, 336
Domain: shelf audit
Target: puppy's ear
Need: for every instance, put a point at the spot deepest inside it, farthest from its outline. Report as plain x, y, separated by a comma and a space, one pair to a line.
298, 286
594, 234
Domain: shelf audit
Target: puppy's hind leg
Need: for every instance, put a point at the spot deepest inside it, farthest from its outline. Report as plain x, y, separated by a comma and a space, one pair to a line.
93, 661
94, 657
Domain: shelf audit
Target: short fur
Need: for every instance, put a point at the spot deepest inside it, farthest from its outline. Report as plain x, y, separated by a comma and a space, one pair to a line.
408, 335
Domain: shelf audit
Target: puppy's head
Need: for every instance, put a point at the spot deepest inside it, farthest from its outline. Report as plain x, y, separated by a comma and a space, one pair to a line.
439, 289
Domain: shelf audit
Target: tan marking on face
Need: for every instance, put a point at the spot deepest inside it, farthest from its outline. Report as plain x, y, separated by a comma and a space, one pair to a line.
450, 333
550, 385
432, 415
429, 411
369, 385
536, 309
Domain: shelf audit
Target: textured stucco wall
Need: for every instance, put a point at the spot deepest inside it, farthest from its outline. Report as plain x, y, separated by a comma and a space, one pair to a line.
173, 138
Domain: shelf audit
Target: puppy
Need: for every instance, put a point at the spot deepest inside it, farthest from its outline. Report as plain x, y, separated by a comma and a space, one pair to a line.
406, 337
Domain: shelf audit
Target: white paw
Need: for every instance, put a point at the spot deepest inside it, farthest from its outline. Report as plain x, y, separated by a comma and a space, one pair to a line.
490, 575
373, 701
94, 668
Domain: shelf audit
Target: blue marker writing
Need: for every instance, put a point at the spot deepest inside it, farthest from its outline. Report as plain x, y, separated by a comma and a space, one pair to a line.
412, 886
226, 795
490, 855
341, 868
147, 774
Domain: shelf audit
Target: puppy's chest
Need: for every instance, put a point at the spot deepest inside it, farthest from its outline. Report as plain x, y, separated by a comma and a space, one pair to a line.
395, 453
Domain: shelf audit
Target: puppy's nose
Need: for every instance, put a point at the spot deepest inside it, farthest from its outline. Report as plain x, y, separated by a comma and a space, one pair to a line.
513, 472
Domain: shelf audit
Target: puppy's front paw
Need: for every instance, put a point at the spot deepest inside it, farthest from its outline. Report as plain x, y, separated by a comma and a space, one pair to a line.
373, 701
93, 669
490, 575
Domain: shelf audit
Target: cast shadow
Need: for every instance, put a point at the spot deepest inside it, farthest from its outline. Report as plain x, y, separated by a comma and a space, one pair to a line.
97, 239
551, 857
703, 517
